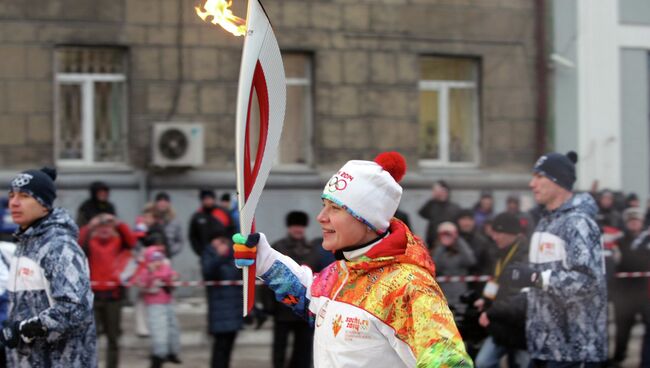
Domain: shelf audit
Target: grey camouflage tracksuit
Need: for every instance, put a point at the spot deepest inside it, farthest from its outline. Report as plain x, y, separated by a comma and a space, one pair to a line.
49, 278
567, 321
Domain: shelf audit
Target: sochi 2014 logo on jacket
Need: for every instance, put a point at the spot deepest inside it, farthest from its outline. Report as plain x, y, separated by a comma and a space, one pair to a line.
21, 180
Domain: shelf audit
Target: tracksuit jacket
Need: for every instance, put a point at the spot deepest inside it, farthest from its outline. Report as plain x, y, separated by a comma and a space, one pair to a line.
378, 307
567, 317
49, 278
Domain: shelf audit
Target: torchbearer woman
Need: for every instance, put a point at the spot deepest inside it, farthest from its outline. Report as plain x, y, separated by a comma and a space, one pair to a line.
378, 305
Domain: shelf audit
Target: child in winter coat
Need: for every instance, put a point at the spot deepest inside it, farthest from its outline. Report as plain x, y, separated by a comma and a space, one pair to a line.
155, 277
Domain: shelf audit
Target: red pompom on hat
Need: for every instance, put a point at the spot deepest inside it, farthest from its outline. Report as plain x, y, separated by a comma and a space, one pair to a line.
394, 163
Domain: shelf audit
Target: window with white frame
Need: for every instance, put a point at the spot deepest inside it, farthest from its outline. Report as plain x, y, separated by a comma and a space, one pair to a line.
448, 115
296, 147
90, 106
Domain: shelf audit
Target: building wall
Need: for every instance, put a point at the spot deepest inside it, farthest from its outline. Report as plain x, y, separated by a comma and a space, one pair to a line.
366, 72
365, 93
635, 119
634, 12
601, 99
564, 76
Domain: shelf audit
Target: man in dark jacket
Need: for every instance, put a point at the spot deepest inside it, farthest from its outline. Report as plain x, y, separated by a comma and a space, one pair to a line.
209, 222
504, 306
296, 246
630, 295
224, 301
437, 210
608, 214
96, 204
50, 321
480, 244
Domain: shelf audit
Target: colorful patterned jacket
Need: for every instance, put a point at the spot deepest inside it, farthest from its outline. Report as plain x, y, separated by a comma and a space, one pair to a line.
567, 317
49, 278
380, 307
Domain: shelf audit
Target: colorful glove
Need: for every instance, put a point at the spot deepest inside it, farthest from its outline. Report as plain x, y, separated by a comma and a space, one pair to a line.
522, 275
245, 249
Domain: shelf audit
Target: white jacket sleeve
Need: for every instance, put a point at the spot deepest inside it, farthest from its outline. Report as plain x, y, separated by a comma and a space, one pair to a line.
289, 281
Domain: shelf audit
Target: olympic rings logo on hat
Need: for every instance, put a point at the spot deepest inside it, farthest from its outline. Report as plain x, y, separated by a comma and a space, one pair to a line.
540, 161
21, 180
336, 184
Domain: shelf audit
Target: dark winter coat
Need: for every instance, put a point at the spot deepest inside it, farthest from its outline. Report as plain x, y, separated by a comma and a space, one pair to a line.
207, 224
437, 212
567, 319
635, 257
49, 278
484, 252
225, 303
609, 217
455, 260
507, 313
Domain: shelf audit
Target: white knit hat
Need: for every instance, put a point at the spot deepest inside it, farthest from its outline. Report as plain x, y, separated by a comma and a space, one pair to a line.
369, 190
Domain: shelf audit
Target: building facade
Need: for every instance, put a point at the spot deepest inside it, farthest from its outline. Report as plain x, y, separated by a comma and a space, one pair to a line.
600, 60
453, 85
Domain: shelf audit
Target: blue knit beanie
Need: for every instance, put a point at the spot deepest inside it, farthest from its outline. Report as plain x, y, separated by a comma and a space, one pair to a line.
38, 184
558, 168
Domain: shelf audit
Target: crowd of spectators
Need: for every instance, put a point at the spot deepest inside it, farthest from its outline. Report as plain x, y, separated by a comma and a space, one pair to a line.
462, 241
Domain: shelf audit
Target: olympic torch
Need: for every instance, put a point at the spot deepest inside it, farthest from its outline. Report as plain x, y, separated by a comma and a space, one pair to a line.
261, 72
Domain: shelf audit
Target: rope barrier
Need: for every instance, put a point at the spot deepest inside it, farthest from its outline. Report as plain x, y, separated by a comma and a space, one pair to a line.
440, 279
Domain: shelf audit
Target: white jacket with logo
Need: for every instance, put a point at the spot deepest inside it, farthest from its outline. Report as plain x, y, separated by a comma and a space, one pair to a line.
380, 307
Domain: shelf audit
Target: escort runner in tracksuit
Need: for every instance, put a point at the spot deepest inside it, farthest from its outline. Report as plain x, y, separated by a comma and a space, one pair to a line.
50, 321
379, 304
567, 306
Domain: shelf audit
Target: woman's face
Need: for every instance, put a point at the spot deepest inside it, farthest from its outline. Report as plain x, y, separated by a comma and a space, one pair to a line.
340, 229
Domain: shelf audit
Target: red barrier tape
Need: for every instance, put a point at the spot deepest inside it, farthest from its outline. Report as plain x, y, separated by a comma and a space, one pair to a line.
440, 279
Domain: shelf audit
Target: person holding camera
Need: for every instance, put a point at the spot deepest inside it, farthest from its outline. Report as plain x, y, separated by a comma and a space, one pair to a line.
107, 243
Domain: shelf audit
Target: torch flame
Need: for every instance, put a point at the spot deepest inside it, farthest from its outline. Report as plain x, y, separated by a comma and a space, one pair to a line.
223, 16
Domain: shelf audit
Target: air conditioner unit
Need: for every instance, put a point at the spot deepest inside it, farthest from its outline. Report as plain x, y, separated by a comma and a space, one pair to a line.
177, 144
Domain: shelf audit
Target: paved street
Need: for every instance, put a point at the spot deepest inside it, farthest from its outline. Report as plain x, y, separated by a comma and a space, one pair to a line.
253, 347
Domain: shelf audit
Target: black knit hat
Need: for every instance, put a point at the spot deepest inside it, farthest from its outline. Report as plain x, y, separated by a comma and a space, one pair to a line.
207, 193
298, 218
38, 184
506, 223
465, 212
162, 196
558, 168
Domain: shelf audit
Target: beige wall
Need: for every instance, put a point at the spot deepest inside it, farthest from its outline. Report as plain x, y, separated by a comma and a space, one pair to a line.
366, 71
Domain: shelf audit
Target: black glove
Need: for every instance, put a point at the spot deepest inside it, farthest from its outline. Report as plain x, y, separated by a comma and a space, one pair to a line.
31, 329
522, 275
10, 335
26, 330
